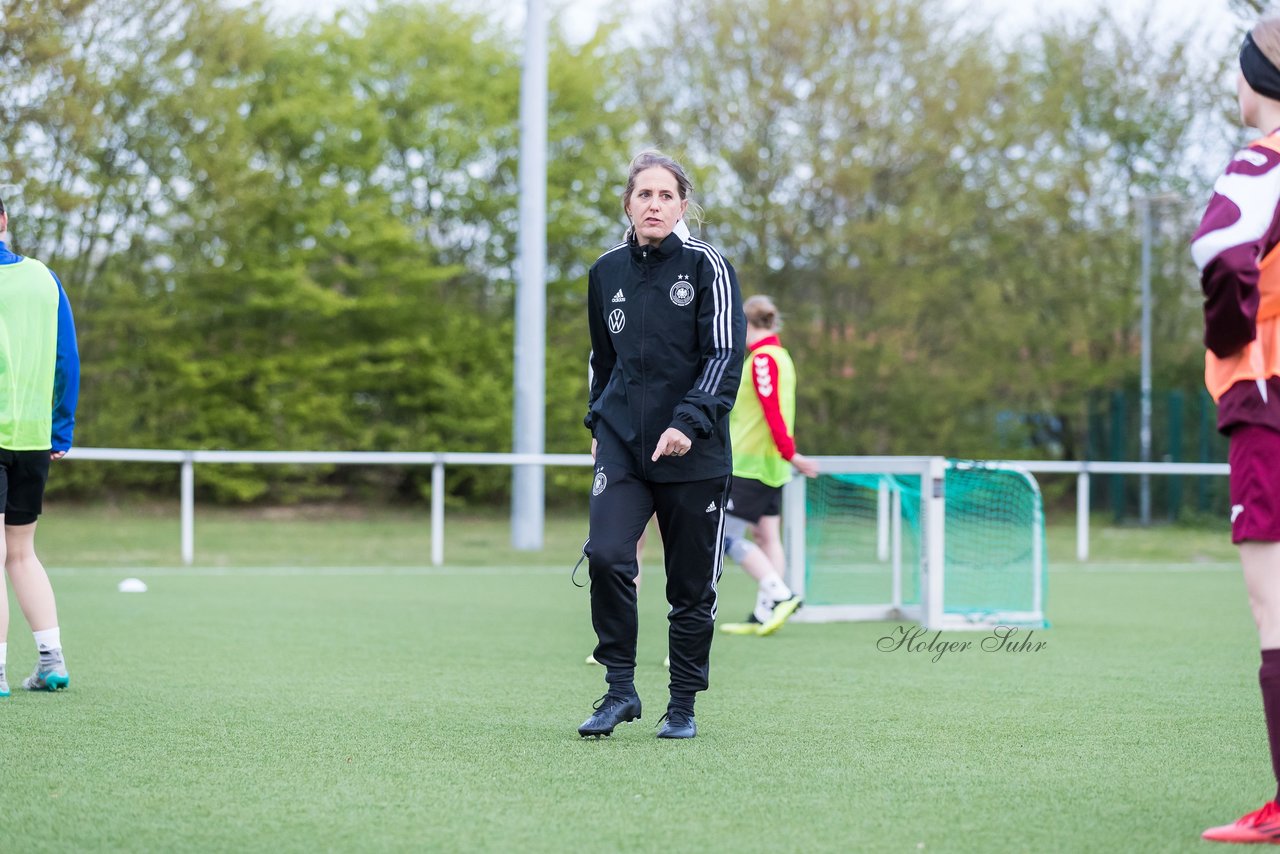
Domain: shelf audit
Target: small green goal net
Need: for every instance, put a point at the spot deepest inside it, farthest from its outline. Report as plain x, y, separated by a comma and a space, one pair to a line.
867, 545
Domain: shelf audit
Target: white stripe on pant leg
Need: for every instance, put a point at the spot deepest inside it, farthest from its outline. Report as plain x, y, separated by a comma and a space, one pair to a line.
719, 564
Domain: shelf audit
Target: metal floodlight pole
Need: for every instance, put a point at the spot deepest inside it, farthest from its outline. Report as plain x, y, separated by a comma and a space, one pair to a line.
1144, 429
529, 421
1145, 204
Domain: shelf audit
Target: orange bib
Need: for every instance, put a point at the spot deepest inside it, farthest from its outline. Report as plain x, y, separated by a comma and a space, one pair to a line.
1260, 358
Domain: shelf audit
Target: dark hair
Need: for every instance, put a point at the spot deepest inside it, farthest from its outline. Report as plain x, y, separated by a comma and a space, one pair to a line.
650, 158
2, 210
647, 160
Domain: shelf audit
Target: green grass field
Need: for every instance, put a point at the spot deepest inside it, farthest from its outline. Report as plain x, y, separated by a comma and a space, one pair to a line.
254, 704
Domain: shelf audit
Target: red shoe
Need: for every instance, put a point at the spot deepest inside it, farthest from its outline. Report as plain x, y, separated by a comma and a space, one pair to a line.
1259, 826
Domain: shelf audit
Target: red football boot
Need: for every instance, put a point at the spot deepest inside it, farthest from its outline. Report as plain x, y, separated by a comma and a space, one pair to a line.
1259, 826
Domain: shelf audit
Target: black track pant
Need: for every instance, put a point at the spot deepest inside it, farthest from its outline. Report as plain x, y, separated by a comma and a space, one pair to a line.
691, 519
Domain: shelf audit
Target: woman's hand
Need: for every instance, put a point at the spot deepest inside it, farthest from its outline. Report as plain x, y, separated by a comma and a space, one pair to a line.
672, 443
804, 465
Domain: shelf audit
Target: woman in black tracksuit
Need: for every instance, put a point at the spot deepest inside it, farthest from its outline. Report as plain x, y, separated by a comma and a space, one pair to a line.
667, 339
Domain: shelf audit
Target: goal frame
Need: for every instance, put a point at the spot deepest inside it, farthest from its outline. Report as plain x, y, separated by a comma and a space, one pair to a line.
931, 611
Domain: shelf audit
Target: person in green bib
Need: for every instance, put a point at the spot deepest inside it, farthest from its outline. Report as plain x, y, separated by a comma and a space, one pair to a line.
39, 360
764, 455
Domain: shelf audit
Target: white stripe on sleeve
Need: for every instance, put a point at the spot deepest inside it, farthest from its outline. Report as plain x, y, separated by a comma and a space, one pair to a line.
1256, 196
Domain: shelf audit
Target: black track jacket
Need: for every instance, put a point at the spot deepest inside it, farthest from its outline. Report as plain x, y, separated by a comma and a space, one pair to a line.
667, 343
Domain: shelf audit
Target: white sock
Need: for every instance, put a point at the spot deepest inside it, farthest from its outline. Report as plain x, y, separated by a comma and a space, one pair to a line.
4, 654
48, 640
775, 589
764, 607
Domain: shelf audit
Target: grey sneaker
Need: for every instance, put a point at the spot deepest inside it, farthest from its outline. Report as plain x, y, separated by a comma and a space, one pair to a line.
4, 685
50, 673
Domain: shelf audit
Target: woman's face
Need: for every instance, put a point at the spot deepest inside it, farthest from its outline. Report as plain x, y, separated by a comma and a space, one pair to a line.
654, 205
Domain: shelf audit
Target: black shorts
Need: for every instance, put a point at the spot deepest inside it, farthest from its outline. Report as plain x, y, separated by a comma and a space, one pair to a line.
23, 475
750, 499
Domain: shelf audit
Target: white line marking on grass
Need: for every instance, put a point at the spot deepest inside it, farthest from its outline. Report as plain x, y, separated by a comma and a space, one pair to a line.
1064, 567
289, 571
449, 571
1147, 567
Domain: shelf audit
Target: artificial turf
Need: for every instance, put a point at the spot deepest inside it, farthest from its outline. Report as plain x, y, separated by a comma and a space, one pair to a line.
407, 708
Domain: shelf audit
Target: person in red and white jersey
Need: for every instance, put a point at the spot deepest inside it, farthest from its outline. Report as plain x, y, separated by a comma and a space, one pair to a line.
764, 455
1235, 249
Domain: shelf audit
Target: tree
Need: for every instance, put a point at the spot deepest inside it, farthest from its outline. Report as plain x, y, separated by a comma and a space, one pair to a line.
303, 236
947, 221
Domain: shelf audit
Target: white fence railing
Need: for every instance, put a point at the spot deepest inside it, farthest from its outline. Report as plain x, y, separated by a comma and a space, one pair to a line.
1083, 469
438, 460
